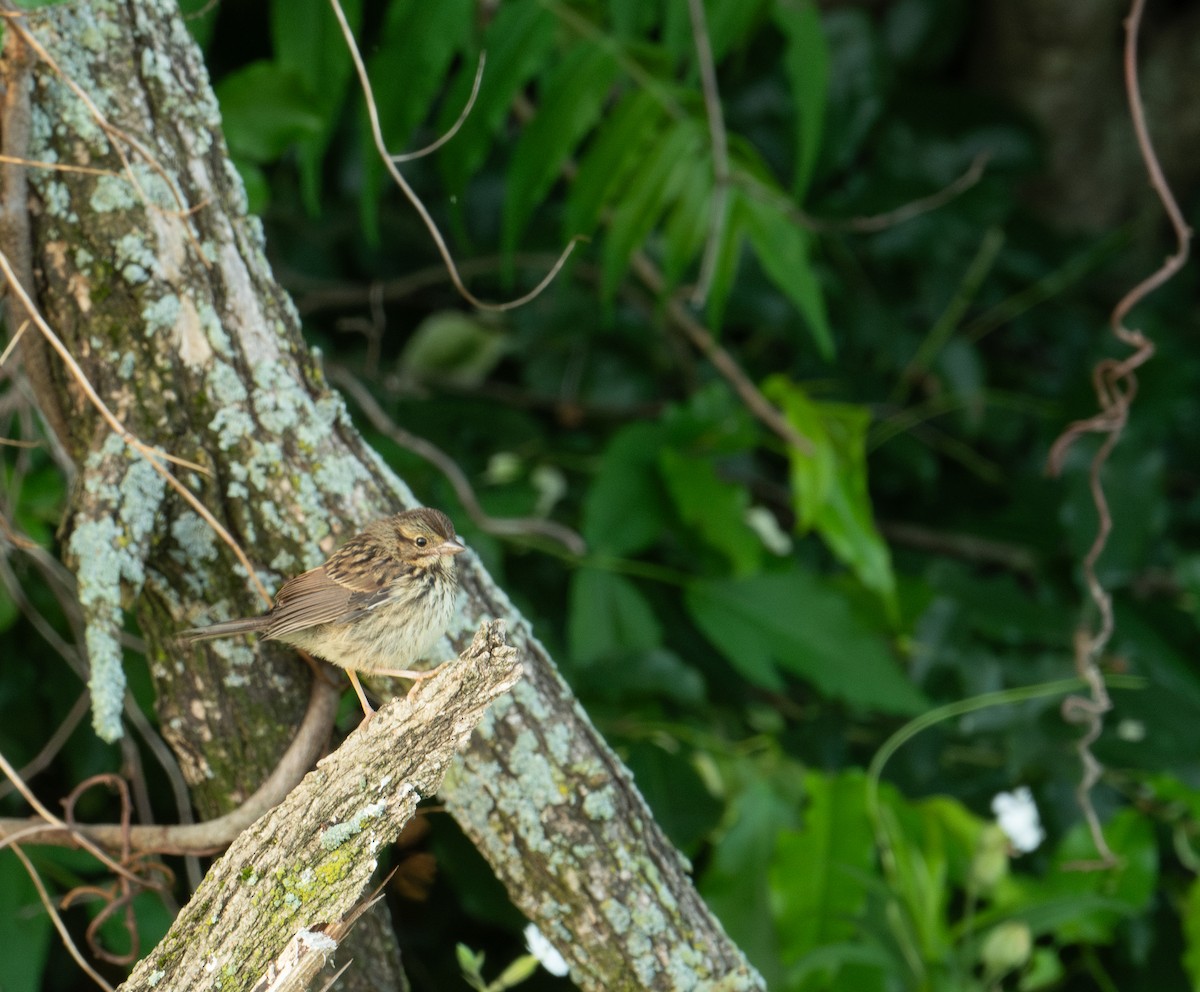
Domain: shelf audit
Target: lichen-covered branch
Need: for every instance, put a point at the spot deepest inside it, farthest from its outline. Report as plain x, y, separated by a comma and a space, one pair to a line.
156, 280
303, 867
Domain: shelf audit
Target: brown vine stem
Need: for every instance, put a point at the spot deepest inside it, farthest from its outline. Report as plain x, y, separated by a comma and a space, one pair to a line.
1115, 382
194, 838
410, 194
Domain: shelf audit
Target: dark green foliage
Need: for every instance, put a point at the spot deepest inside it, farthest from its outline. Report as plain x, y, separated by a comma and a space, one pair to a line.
751, 621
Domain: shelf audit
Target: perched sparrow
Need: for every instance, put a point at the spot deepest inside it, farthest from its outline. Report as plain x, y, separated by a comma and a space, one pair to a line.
377, 605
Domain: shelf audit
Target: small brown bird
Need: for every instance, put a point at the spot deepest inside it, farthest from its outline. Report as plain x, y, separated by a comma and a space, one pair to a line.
377, 605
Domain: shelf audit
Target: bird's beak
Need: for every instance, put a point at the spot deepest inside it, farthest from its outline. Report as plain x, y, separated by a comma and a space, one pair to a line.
450, 547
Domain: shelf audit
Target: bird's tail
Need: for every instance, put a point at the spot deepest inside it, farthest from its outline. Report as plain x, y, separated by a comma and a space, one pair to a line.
226, 628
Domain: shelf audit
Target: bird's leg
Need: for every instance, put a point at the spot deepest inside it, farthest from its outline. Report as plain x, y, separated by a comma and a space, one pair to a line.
368, 709
402, 673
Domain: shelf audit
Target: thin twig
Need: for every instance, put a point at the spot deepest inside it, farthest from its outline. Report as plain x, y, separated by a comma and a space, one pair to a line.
410, 194
200, 838
68, 942
1116, 384
504, 527
151, 455
456, 126
719, 204
721, 360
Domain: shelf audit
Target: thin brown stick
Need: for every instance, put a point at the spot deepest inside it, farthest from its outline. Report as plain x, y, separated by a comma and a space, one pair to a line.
456, 126
151, 455
58, 923
501, 526
1116, 384
410, 194
200, 838
719, 142
703, 341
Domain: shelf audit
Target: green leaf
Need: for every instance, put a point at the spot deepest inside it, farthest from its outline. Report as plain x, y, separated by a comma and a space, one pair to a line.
624, 510
682, 805
1190, 918
829, 486
657, 182
806, 62
453, 347
728, 258
833, 852
265, 110
798, 623
729, 22
714, 507
735, 883
517, 44
687, 225
572, 97
309, 45
614, 153
608, 617
26, 928
1086, 906
408, 72
783, 248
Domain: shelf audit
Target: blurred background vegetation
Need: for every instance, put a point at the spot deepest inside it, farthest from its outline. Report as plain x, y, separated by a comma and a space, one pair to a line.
926, 211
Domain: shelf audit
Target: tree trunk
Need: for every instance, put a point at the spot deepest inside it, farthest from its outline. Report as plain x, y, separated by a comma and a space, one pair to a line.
156, 281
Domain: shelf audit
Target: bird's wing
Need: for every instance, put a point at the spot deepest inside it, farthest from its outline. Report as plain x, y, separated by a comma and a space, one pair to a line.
349, 584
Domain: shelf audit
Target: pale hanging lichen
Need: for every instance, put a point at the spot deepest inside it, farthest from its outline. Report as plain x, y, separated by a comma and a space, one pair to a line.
109, 544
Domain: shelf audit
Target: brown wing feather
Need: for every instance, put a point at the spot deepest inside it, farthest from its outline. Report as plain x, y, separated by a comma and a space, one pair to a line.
351, 582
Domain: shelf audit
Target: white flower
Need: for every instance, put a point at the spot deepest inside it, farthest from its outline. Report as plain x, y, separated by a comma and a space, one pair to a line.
541, 949
1018, 817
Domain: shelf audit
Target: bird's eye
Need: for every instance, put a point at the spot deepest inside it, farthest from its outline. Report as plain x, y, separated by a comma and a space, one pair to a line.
420, 542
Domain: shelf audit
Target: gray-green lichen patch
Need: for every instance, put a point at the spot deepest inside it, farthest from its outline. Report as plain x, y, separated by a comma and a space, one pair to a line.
336, 835
110, 552
135, 259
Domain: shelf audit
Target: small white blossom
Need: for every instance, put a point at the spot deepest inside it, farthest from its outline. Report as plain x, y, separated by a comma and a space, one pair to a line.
1018, 817
541, 949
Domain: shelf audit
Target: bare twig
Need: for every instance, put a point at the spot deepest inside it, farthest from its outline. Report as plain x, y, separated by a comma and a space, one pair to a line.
151, 455
410, 194
456, 126
200, 838
501, 526
703, 341
52, 912
719, 205
1115, 382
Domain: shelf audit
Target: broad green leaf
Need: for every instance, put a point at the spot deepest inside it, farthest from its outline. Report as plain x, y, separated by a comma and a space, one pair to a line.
682, 805
571, 99
735, 883
1190, 918
729, 256
687, 226
408, 71
451, 346
829, 486
26, 927
716, 508
1101, 899
309, 44
783, 248
517, 44
615, 152
798, 623
818, 873
729, 22
806, 62
624, 510
609, 617
265, 109
638, 210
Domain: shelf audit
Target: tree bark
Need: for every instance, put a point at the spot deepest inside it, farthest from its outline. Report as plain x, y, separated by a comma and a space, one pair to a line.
157, 282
